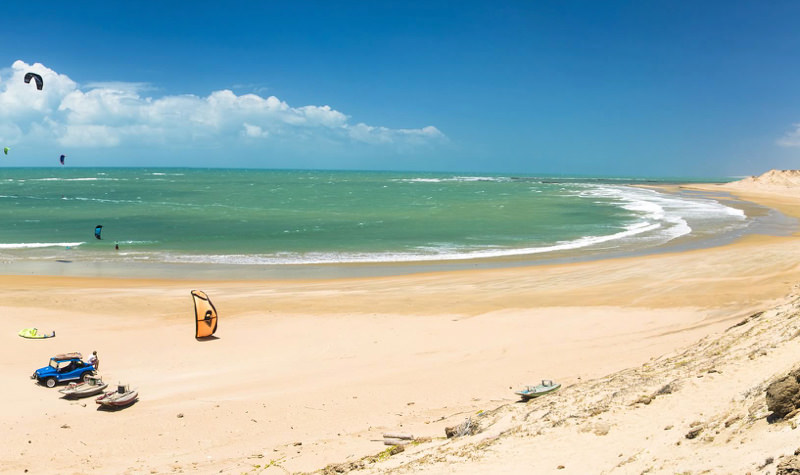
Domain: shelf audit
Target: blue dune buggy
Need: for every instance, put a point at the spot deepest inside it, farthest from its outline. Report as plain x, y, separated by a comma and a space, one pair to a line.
64, 367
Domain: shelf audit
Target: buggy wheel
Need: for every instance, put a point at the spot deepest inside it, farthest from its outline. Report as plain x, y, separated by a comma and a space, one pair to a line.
85, 376
50, 382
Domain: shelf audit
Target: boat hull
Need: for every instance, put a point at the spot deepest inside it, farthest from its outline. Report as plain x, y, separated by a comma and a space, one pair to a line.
82, 390
115, 399
536, 391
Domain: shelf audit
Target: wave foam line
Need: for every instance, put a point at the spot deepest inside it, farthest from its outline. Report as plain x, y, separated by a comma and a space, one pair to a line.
356, 258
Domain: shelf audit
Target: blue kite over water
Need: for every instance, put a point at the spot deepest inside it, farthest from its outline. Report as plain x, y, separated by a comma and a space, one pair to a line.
97, 230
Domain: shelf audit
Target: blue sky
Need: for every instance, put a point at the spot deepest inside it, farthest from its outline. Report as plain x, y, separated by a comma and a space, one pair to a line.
665, 88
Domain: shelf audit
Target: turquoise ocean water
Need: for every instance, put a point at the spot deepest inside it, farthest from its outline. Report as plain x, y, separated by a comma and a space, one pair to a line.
275, 217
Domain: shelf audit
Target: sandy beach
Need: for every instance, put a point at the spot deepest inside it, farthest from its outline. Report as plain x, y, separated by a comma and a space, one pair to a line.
309, 373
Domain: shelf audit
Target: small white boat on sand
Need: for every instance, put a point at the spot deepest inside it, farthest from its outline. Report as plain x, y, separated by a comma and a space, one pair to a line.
91, 385
547, 387
123, 396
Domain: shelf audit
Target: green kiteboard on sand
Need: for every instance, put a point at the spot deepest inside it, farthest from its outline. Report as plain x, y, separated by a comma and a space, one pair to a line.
33, 333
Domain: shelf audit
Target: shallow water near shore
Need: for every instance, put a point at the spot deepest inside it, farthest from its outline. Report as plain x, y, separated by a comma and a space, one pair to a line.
279, 223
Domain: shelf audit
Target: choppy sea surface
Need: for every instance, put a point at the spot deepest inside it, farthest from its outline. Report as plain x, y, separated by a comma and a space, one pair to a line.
292, 217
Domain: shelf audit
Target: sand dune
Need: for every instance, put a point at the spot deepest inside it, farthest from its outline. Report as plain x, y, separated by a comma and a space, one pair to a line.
774, 178
697, 410
310, 373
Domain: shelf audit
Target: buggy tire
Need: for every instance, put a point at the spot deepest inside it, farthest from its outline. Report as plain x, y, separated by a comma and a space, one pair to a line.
85, 376
50, 382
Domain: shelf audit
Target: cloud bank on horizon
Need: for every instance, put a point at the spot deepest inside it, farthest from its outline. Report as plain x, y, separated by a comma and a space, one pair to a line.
112, 114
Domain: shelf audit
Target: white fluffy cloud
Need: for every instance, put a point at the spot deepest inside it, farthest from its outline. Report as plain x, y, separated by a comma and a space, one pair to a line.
791, 139
110, 114
369, 134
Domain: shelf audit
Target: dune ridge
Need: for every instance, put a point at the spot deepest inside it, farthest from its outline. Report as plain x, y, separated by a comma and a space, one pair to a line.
698, 410
773, 181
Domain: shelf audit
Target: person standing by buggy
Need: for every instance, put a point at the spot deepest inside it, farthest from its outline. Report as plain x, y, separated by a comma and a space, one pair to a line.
94, 360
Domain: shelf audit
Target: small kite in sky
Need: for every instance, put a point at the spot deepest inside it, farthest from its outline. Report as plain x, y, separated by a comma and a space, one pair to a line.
39, 80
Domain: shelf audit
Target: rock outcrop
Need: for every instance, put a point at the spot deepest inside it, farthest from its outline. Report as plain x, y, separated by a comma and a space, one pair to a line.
789, 466
783, 395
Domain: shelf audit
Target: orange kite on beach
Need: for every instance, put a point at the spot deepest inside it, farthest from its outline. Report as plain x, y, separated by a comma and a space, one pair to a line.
205, 315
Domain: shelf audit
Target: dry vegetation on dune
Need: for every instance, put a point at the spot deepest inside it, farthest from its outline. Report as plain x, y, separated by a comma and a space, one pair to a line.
700, 410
